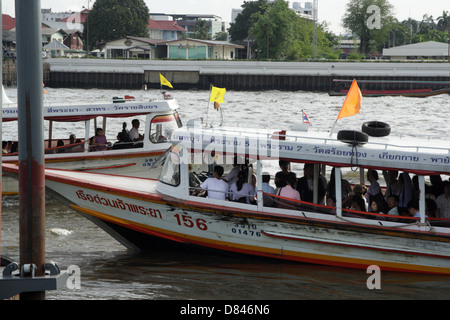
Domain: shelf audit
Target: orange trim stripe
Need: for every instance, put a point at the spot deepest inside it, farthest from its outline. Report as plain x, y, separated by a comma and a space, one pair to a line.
263, 251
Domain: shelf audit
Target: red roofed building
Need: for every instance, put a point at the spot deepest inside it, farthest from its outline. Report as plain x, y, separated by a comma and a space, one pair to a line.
79, 17
8, 22
165, 30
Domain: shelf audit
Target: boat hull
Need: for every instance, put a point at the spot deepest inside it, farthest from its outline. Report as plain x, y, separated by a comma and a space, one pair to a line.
131, 163
245, 230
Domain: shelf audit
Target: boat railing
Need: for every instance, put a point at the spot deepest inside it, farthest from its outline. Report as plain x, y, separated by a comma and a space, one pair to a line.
304, 208
275, 201
283, 136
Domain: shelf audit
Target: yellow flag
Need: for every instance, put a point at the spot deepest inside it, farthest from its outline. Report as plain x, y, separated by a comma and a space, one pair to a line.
164, 81
217, 95
352, 103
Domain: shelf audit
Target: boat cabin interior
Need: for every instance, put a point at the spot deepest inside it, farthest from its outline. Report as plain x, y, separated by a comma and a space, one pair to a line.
154, 129
343, 192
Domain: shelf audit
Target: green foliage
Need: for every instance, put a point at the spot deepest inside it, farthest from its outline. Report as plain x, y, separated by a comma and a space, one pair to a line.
221, 36
240, 30
357, 17
201, 30
412, 31
114, 19
279, 33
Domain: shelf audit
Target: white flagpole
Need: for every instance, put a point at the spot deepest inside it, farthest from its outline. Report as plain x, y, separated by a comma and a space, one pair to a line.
332, 129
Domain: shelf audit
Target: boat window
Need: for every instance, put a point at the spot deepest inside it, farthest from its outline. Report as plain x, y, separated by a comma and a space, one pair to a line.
170, 173
162, 127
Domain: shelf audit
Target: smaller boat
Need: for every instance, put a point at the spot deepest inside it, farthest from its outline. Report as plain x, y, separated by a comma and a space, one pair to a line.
157, 119
341, 89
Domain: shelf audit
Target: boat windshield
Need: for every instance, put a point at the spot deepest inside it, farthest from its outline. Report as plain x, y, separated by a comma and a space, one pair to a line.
162, 127
170, 173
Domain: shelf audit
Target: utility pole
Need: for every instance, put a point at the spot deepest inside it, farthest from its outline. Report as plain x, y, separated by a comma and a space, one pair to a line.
31, 137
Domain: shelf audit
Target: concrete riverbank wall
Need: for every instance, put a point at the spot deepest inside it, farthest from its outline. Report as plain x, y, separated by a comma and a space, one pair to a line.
239, 75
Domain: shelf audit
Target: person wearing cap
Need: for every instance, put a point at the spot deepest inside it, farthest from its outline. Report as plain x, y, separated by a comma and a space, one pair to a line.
266, 187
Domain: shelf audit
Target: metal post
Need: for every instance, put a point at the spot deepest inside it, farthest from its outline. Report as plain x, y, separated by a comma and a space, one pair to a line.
316, 179
338, 188
259, 183
422, 205
31, 137
1, 127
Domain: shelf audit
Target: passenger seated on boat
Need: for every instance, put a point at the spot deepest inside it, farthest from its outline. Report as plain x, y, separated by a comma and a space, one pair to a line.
377, 205
231, 177
134, 132
405, 193
215, 186
123, 141
346, 188
99, 140
241, 191
60, 147
437, 185
358, 190
15, 147
374, 189
358, 203
413, 209
392, 204
391, 179
289, 192
4, 151
443, 202
78, 146
281, 176
267, 190
266, 187
305, 185
8, 146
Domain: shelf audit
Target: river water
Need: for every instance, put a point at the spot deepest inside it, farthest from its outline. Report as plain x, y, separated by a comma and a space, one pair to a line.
109, 271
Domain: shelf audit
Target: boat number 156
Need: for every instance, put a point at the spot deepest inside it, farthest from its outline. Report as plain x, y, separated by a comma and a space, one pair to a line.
189, 222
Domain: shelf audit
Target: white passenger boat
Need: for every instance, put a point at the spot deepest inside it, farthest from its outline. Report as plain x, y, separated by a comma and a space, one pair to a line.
150, 213
158, 119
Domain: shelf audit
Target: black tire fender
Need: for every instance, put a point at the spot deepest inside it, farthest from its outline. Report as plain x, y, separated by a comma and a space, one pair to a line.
376, 128
352, 137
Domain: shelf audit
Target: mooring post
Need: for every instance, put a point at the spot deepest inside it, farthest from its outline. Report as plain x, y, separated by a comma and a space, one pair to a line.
1, 127
31, 140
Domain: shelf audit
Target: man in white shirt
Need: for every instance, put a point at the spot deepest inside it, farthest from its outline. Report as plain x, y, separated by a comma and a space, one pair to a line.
134, 132
443, 203
216, 187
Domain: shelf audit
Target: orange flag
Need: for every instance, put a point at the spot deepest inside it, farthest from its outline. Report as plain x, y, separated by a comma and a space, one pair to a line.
352, 103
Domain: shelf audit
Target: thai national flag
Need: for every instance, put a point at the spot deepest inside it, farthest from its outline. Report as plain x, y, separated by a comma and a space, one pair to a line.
306, 119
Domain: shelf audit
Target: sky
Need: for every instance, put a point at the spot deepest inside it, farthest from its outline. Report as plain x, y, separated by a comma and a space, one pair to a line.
330, 11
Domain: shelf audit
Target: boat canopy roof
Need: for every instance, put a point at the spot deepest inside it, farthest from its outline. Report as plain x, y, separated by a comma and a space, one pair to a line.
82, 112
423, 156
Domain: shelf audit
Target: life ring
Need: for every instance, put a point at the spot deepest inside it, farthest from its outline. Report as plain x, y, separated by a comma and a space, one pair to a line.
352, 137
376, 128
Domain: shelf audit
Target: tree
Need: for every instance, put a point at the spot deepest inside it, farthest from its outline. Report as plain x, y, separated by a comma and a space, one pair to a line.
201, 30
280, 33
359, 20
114, 19
443, 22
221, 36
240, 30
273, 31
